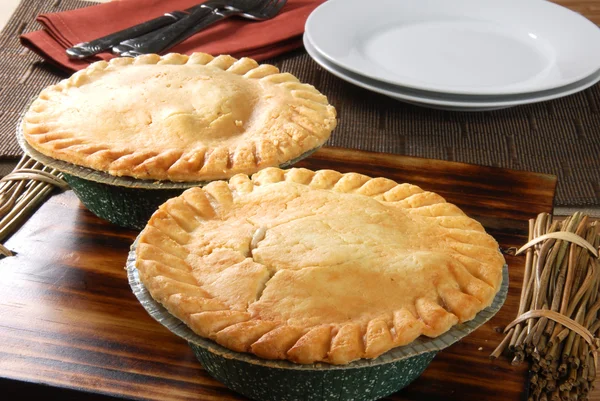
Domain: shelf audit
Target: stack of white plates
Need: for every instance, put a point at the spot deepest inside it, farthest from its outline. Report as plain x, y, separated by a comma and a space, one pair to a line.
470, 55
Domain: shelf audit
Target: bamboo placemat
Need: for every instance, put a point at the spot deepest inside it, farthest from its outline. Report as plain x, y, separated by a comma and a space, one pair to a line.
560, 137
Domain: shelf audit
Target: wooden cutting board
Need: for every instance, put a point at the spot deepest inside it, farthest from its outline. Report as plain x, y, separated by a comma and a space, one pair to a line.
71, 329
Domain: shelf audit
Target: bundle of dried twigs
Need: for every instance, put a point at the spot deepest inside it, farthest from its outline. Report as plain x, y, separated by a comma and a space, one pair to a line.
21, 191
557, 324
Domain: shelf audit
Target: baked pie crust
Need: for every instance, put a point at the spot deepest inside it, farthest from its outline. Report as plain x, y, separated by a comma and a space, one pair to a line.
178, 117
317, 266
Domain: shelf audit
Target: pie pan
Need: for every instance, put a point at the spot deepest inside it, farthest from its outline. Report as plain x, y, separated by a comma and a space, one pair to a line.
269, 380
124, 201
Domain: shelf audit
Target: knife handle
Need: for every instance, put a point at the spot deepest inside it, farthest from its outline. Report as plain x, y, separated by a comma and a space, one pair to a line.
162, 39
87, 49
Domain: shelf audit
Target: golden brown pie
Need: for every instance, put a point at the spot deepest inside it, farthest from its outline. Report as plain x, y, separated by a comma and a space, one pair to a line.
179, 118
317, 266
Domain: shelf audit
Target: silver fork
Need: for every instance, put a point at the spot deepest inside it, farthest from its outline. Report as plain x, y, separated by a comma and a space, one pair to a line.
164, 39
87, 49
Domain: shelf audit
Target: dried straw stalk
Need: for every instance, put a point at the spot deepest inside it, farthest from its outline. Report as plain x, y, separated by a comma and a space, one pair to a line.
21, 191
560, 286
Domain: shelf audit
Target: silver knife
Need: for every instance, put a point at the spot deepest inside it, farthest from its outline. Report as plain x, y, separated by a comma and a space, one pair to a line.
87, 49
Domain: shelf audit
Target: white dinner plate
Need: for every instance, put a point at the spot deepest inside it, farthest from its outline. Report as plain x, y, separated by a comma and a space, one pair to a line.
474, 47
448, 101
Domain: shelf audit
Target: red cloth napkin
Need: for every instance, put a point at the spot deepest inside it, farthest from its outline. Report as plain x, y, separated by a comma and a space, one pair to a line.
235, 36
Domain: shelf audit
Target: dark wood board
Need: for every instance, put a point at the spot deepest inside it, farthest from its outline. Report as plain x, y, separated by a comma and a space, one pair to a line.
71, 329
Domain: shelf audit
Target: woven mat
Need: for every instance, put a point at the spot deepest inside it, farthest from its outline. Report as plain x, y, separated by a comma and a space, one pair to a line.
22, 73
560, 137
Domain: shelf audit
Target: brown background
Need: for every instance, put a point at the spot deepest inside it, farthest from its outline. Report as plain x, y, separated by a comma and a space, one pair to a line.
560, 137
68, 320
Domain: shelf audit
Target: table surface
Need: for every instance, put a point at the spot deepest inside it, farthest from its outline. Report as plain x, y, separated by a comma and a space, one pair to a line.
588, 8
70, 322
570, 126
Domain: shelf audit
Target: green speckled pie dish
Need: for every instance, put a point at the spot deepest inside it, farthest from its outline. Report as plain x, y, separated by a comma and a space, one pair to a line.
124, 201
267, 380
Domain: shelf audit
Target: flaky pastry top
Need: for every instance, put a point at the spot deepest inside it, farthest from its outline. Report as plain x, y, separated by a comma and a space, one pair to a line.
178, 117
317, 266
